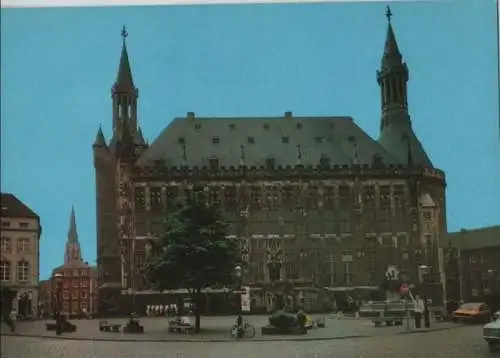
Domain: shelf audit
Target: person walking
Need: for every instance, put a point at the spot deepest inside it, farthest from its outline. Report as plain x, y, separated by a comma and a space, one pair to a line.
418, 311
427, 314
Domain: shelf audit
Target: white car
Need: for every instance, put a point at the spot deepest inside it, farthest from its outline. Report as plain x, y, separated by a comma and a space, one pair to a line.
491, 332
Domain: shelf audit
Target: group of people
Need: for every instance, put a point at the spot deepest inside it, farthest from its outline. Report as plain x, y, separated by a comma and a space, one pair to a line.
162, 310
421, 310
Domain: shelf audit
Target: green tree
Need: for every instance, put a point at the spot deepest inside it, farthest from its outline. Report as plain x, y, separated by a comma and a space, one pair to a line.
194, 251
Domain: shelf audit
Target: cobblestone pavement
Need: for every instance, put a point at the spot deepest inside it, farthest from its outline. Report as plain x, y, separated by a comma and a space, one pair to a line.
215, 329
463, 342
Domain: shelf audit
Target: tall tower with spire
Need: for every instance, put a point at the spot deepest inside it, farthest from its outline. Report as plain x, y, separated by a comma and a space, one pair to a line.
396, 133
124, 96
112, 161
73, 251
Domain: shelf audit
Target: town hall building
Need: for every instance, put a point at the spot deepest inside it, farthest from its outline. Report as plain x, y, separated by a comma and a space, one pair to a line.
316, 198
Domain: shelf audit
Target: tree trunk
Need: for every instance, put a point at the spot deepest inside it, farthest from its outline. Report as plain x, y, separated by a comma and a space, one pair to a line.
197, 310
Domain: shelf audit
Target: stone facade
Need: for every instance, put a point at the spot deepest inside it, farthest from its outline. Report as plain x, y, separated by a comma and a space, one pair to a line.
473, 268
20, 253
315, 201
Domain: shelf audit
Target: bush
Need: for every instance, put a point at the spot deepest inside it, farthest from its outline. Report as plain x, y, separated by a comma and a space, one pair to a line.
283, 319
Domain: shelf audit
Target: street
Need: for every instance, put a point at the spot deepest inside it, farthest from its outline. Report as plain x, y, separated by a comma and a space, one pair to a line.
463, 342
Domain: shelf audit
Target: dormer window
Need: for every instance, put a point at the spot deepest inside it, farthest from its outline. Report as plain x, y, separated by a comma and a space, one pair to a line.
197, 126
318, 139
215, 140
299, 125
181, 140
266, 126
232, 126
251, 140
285, 139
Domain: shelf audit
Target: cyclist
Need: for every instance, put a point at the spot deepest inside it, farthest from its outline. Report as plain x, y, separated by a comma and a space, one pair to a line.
239, 325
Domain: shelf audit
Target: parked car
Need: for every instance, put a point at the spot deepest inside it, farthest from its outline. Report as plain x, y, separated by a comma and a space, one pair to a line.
491, 332
472, 312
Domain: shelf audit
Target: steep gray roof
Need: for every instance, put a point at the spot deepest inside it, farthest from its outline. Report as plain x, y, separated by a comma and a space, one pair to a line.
474, 239
394, 138
193, 141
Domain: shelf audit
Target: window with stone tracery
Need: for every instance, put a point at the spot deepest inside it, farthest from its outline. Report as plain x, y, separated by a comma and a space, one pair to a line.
230, 197
272, 198
287, 196
140, 198
399, 195
312, 197
214, 195
256, 197
155, 198
384, 195
345, 199
329, 197
368, 195
384, 220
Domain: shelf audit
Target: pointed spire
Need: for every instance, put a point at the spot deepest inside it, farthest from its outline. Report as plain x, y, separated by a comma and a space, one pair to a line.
99, 139
392, 56
124, 79
72, 233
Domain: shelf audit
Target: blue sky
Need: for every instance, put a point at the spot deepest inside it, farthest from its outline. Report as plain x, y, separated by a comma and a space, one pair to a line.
58, 66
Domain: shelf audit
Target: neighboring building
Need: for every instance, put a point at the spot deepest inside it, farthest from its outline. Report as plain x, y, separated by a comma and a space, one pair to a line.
315, 200
79, 278
45, 298
475, 261
20, 253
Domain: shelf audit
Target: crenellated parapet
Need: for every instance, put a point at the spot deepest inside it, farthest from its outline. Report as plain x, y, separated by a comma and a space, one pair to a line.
159, 171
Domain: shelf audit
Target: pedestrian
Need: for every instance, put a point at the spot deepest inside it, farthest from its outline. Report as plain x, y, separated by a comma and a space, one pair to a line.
418, 311
427, 314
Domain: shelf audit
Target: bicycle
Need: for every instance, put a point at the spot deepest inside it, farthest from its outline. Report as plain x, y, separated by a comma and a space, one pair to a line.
246, 331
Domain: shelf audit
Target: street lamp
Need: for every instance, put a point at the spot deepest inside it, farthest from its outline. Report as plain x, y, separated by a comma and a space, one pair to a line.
238, 271
58, 299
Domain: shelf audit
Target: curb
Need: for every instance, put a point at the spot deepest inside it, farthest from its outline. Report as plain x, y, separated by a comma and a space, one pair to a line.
199, 340
415, 331
219, 340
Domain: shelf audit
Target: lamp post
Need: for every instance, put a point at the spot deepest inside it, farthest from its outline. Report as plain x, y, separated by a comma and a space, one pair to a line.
58, 300
238, 271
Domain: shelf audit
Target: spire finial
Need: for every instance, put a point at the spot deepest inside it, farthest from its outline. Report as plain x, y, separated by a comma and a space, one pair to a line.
124, 33
388, 13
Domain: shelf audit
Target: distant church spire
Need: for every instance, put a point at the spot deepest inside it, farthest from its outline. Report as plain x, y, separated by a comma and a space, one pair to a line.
72, 251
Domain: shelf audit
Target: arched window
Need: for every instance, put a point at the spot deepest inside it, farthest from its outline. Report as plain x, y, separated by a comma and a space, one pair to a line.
22, 271
120, 111
129, 111
5, 274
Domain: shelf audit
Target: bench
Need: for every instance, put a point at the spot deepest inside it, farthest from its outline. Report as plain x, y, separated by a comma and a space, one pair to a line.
105, 326
180, 328
389, 321
66, 326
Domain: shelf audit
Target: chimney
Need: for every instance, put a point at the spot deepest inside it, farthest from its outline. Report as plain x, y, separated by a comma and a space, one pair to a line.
288, 115
191, 116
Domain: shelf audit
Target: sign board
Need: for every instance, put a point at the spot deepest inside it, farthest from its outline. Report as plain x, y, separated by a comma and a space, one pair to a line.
404, 289
245, 299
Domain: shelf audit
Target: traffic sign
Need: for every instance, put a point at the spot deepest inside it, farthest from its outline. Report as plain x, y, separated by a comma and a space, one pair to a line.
404, 289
